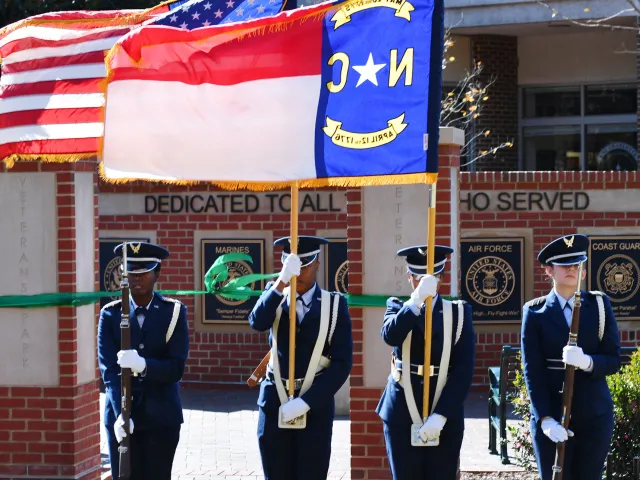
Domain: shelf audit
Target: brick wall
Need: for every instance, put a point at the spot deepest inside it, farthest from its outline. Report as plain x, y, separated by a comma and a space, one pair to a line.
215, 357
51, 431
499, 54
546, 226
47, 432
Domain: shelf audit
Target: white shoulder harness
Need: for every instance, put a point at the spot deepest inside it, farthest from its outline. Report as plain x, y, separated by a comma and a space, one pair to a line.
328, 321
443, 373
601, 315
177, 304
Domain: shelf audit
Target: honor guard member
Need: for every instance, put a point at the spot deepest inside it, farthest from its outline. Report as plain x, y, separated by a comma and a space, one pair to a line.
545, 333
160, 346
323, 360
451, 371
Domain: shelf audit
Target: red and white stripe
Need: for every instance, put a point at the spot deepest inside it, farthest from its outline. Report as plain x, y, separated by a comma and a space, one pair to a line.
51, 100
181, 104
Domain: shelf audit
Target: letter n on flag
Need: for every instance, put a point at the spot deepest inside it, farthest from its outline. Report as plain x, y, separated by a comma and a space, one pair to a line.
341, 94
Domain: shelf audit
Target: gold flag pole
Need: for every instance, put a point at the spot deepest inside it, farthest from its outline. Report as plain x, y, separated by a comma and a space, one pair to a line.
431, 241
426, 369
299, 422
292, 291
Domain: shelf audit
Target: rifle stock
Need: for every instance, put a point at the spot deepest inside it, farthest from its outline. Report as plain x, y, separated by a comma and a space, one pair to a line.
259, 371
124, 448
569, 374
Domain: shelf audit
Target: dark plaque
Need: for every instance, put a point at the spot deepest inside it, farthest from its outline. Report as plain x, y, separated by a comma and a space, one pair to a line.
613, 269
336, 267
493, 277
216, 308
110, 273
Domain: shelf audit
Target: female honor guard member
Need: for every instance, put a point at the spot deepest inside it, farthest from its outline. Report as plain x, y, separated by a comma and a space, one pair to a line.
160, 341
451, 370
545, 333
323, 359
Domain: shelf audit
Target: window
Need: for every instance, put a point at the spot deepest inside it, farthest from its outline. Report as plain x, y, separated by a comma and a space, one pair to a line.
552, 148
611, 100
552, 102
590, 127
612, 147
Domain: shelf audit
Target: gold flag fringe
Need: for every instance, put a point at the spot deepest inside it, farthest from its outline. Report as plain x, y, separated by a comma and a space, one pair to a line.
10, 160
411, 178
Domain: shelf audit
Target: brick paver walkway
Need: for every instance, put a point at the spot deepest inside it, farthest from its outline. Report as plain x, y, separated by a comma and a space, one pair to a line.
218, 440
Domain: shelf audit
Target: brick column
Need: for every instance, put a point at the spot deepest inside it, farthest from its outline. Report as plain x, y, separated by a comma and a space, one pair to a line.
49, 400
381, 220
499, 55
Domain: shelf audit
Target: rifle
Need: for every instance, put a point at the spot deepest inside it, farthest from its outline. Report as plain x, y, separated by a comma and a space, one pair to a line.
569, 374
259, 371
125, 375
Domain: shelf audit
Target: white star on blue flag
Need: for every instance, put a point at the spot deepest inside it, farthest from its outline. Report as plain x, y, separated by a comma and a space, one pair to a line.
191, 14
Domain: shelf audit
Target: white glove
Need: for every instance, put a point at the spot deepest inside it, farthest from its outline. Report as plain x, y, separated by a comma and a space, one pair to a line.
290, 268
428, 287
576, 357
293, 409
131, 359
432, 427
118, 428
555, 431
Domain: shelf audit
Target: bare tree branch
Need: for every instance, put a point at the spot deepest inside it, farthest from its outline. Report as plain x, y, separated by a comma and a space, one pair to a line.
634, 5
487, 153
464, 104
597, 23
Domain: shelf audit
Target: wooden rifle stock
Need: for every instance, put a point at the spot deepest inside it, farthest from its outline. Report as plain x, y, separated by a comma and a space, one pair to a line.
124, 448
260, 371
569, 374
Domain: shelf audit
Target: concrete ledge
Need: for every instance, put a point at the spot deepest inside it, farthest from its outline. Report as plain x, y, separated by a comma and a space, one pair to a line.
451, 136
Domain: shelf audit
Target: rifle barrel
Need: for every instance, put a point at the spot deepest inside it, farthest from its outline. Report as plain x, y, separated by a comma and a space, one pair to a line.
569, 375
124, 448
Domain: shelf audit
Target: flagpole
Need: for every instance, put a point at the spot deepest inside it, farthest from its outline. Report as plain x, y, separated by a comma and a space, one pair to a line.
292, 290
431, 240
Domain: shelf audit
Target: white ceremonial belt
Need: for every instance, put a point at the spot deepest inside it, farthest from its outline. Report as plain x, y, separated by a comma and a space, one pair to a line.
418, 369
297, 382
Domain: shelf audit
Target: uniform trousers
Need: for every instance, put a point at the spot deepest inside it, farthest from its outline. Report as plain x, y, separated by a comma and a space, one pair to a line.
296, 454
424, 463
152, 452
585, 452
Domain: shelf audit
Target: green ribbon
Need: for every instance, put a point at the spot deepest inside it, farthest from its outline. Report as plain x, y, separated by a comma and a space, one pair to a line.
235, 289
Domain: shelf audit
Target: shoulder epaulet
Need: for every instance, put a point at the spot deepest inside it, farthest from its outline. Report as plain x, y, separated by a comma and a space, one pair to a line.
459, 302
535, 301
395, 299
112, 304
598, 293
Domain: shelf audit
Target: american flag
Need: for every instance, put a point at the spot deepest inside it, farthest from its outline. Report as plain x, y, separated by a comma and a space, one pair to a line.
52, 73
204, 13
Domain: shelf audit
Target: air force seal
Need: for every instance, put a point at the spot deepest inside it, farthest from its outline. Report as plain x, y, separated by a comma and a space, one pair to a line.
490, 281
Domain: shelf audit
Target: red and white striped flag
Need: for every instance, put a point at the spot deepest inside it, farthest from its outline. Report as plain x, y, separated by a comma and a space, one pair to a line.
51, 100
